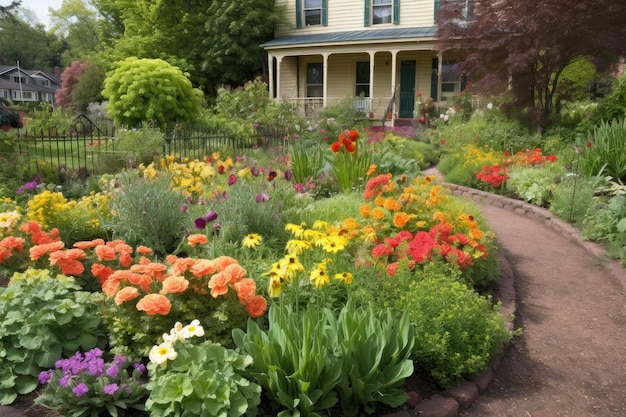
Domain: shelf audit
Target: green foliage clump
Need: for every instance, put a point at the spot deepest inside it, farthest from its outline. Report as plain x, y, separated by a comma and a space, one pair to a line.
457, 330
573, 197
605, 151
613, 106
606, 222
44, 319
150, 90
140, 146
147, 212
399, 156
533, 184
204, 380
310, 360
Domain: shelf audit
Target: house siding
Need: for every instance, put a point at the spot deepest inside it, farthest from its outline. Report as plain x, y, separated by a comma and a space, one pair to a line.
347, 15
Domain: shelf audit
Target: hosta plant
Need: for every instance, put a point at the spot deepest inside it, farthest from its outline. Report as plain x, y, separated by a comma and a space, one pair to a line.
43, 319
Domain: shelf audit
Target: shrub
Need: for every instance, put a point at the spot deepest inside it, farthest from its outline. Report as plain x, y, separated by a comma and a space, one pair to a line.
606, 222
573, 197
44, 319
144, 90
141, 146
533, 184
457, 330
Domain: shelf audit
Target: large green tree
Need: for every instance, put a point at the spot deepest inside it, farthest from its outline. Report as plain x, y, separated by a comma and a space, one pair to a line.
526, 45
75, 22
150, 90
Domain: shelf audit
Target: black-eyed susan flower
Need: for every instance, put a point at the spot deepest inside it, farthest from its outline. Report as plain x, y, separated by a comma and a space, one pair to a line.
346, 277
252, 241
319, 276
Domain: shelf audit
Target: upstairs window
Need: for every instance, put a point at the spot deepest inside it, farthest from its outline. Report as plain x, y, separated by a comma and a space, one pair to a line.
311, 13
381, 12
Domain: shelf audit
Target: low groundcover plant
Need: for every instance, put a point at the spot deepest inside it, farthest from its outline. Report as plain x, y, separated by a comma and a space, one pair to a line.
86, 385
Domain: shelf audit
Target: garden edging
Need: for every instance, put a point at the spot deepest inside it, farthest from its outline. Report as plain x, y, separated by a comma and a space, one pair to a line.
448, 402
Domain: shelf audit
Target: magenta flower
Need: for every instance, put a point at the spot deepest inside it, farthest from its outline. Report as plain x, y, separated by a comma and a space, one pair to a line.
288, 175
254, 171
232, 178
110, 389
262, 197
211, 215
80, 389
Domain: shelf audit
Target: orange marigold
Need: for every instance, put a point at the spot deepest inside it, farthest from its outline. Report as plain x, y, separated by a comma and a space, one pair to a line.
257, 306
196, 239
246, 290
219, 284
175, 284
38, 251
378, 214
154, 304
400, 219
126, 294
105, 253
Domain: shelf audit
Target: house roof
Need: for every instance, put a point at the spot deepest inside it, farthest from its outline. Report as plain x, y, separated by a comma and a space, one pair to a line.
358, 36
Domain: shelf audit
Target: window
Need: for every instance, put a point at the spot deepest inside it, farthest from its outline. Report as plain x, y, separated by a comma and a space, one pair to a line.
452, 83
315, 80
379, 12
468, 10
362, 79
382, 11
312, 12
17, 79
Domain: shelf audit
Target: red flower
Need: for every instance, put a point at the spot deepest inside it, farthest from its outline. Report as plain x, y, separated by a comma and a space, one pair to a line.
220, 169
335, 146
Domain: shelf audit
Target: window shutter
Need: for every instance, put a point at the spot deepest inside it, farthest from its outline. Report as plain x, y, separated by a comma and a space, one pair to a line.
298, 13
324, 12
434, 79
366, 13
396, 12
437, 6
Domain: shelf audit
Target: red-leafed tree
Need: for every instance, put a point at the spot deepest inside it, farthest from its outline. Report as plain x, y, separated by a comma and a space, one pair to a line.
525, 45
69, 78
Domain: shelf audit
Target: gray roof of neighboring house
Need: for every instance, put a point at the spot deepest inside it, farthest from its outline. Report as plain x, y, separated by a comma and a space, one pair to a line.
353, 36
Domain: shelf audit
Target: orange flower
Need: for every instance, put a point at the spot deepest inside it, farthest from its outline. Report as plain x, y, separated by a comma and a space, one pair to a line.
204, 267
335, 146
105, 253
71, 267
153, 269
181, 265
174, 284
4, 254
353, 135
125, 259
110, 286
126, 294
379, 201
236, 272
224, 261
365, 210
123, 247
246, 290
197, 239
219, 284
400, 219
101, 271
142, 280
88, 244
144, 250
12, 242
154, 304
378, 214
257, 306
170, 259
38, 251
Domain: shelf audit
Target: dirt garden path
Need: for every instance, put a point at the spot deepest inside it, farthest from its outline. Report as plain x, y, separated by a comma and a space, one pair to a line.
571, 359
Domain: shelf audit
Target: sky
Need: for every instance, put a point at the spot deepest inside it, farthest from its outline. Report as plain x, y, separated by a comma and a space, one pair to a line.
40, 7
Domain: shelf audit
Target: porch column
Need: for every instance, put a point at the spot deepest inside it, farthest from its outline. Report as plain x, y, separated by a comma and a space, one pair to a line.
325, 75
439, 69
372, 55
394, 54
270, 73
279, 60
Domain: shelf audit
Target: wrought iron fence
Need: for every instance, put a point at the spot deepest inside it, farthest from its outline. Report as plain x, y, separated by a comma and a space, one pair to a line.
88, 148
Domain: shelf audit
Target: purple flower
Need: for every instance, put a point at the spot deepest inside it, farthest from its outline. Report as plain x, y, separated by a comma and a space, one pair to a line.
211, 215
232, 179
199, 223
63, 380
262, 197
96, 367
112, 371
44, 376
92, 354
288, 175
254, 171
110, 389
139, 367
80, 389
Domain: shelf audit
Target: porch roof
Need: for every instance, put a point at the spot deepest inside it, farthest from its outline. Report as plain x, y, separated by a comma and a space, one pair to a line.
351, 37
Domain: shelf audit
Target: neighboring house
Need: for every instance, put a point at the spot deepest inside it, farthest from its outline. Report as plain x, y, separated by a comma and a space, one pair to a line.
23, 85
382, 53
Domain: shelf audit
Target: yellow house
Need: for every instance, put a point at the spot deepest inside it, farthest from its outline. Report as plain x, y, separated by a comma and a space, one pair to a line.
381, 53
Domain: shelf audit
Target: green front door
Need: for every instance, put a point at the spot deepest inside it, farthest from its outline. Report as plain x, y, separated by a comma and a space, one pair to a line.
407, 89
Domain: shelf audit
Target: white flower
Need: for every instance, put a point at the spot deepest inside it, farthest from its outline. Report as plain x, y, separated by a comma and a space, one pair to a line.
441, 116
490, 106
192, 329
445, 118
162, 353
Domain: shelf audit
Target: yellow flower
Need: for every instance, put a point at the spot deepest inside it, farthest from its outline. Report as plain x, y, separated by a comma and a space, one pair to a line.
319, 277
298, 246
332, 243
345, 277
371, 170
252, 241
320, 225
290, 265
276, 287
